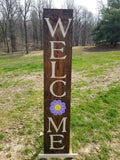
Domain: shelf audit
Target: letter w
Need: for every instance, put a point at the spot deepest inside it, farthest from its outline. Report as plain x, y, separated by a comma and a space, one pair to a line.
52, 31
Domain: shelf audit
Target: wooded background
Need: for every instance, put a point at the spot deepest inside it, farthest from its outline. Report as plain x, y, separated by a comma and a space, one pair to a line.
21, 24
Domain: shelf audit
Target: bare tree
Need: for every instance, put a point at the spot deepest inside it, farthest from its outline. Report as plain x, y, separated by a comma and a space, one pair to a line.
39, 8
48, 3
20, 31
68, 4
4, 27
83, 22
87, 23
24, 12
34, 21
77, 25
9, 10
12, 17
37, 19
100, 5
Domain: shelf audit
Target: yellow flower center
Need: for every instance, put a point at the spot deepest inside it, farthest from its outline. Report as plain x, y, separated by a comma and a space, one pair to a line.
57, 107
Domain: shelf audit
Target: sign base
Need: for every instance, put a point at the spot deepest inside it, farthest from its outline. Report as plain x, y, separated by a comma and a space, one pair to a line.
69, 155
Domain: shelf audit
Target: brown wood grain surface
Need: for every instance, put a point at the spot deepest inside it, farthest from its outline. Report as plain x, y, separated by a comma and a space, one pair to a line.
62, 68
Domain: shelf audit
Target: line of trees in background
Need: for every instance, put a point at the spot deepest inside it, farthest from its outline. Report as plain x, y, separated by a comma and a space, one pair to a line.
107, 30
21, 25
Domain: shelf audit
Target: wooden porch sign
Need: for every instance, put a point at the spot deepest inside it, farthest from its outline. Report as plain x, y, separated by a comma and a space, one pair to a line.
57, 79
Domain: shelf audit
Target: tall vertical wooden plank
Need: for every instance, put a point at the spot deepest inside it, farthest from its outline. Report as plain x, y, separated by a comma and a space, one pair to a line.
57, 79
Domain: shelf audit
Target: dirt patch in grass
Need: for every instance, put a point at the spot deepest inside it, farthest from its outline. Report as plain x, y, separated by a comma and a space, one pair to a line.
20, 133
115, 149
35, 77
100, 49
34, 53
99, 81
12, 150
35, 82
90, 149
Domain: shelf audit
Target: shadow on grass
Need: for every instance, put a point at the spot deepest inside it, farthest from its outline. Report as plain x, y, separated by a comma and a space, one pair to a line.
101, 49
35, 156
38, 148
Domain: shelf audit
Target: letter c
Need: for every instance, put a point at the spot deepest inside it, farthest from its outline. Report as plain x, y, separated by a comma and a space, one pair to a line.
51, 88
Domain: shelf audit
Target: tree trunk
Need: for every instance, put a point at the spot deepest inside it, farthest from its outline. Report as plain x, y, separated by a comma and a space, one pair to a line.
4, 30
13, 43
6, 41
12, 35
26, 38
84, 35
7, 44
113, 44
41, 38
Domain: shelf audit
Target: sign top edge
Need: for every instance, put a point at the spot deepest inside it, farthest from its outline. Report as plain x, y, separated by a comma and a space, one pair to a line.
47, 9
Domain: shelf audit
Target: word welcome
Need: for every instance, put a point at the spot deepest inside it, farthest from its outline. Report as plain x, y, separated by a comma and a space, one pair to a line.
55, 102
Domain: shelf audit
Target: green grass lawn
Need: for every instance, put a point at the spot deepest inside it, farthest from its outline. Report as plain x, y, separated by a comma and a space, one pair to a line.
95, 107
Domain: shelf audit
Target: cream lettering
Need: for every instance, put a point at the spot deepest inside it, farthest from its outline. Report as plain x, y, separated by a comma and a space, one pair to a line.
59, 23
52, 141
56, 49
52, 85
63, 121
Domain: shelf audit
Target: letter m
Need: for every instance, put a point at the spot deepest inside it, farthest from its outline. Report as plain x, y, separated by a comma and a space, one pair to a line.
63, 121
59, 23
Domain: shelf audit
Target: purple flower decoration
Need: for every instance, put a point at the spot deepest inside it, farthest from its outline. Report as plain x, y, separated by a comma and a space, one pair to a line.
57, 107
